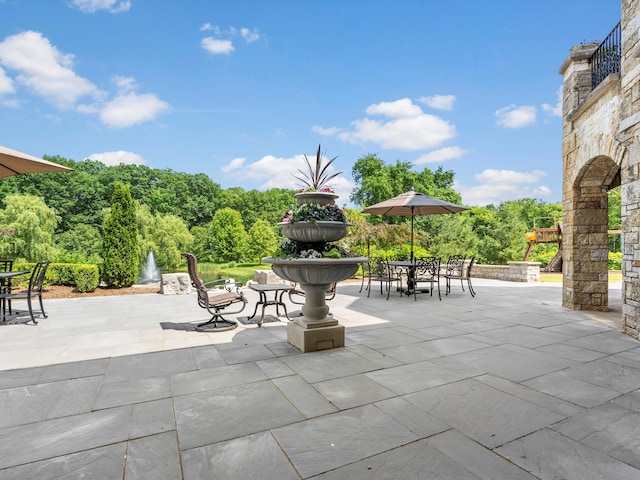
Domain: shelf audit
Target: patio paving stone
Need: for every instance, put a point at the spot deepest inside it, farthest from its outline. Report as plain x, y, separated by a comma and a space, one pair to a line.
322, 444
564, 459
504, 385
485, 414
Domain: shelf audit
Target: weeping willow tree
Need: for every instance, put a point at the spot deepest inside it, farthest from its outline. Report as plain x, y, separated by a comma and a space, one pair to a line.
28, 228
120, 240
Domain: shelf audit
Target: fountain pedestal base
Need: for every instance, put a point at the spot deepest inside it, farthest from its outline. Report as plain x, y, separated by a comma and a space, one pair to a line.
315, 339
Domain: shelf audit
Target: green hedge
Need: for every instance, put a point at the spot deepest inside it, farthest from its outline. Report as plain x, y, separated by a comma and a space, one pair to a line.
84, 276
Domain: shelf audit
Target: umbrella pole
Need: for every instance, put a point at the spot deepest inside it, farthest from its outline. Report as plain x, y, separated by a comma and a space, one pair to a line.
411, 258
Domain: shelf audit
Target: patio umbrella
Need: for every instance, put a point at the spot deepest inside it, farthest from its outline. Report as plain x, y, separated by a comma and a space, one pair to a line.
411, 204
13, 162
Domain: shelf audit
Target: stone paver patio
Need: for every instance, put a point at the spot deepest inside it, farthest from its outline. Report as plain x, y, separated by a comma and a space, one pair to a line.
506, 385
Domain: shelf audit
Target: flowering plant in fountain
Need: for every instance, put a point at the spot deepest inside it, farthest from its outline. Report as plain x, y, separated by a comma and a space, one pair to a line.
312, 212
316, 177
292, 249
311, 226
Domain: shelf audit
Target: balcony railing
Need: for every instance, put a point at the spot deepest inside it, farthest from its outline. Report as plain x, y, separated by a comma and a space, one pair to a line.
606, 59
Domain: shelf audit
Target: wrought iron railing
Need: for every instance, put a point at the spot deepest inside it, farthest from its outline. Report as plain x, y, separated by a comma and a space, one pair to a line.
606, 59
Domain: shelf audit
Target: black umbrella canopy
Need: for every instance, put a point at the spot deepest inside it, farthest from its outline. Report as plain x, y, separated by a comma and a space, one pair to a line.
13, 162
411, 204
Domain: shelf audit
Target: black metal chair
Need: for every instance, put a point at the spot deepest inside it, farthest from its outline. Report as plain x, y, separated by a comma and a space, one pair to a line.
427, 270
456, 271
34, 290
379, 270
214, 300
6, 265
298, 292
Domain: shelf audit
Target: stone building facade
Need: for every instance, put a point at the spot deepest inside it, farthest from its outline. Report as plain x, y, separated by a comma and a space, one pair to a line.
600, 151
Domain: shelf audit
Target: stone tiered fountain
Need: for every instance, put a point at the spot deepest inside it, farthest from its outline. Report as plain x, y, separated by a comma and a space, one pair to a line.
316, 329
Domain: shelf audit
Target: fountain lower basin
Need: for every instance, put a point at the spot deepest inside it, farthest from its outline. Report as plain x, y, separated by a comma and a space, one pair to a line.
316, 329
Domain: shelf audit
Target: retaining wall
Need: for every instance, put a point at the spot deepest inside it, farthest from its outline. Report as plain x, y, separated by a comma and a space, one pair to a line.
513, 272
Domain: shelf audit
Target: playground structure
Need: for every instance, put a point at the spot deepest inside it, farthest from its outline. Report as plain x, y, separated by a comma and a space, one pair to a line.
546, 235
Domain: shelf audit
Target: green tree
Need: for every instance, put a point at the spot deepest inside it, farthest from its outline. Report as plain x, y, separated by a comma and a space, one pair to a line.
228, 235
165, 235
451, 235
171, 237
376, 182
82, 244
120, 240
615, 219
202, 245
261, 241
372, 184
28, 228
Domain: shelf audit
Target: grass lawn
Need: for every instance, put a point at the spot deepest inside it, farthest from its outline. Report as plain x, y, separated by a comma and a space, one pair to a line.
241, 272
614, 276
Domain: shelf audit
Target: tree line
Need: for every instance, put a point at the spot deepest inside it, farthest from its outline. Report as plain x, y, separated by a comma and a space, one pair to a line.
62, 216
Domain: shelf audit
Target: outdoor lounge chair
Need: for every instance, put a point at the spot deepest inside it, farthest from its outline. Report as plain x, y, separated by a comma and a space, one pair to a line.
456, 271
33, 290
215, 300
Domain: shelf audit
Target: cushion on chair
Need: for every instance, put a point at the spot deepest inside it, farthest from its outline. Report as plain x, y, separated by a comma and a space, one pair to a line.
223, 298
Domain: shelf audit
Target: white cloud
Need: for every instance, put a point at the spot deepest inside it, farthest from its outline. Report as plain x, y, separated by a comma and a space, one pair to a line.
223, 46
234, 164
116, 158
494, 176
408, 128
399, 109
516, 117
124, 84
6, 85
554, 110
92, 6
131, 109
440, 102
496, 186
217, 46
249, 36
47, 72
277, 172
331, 131
441, 155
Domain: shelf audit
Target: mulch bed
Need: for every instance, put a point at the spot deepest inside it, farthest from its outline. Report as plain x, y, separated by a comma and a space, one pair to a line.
60, 291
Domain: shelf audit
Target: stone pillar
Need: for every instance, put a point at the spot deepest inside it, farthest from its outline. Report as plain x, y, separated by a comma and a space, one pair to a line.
631, 255
630, 191
590, 248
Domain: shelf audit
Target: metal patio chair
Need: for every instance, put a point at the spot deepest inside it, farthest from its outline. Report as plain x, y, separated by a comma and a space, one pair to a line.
215, 300
379, 270
427, 270
456, 271
34, 290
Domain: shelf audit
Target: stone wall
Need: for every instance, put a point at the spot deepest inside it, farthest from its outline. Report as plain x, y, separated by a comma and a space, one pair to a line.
513, 272
600, 152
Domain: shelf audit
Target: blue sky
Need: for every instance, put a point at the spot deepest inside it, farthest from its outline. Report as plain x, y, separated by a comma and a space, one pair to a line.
241, 90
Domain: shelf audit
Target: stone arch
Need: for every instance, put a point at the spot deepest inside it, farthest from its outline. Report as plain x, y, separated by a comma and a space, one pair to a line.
586, 284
